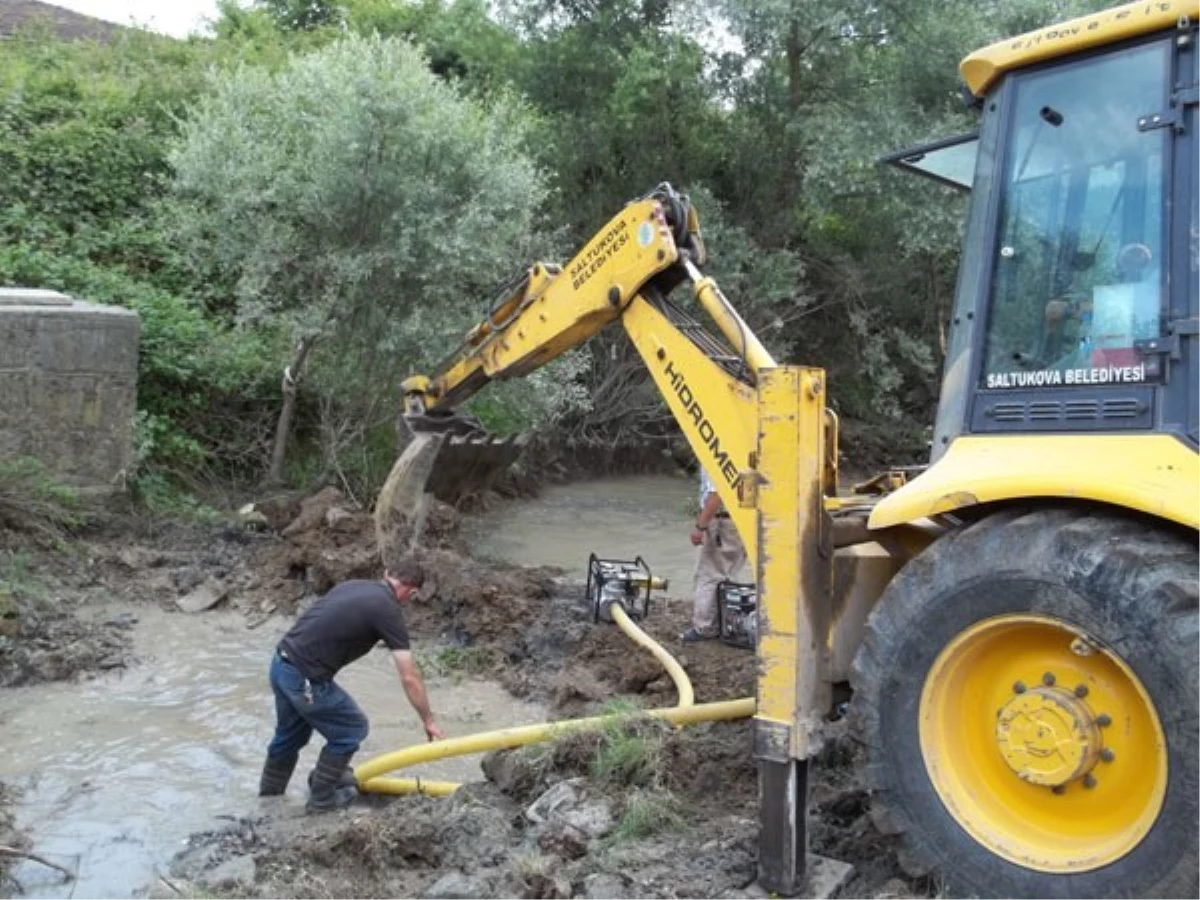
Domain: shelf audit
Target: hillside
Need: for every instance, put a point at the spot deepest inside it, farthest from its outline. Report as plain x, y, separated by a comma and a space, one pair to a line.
66, 24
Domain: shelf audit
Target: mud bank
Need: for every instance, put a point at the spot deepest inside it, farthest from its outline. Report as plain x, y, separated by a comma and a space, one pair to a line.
640, 810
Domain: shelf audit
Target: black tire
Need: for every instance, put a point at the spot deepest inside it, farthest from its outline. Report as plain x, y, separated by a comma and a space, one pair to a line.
1125, 581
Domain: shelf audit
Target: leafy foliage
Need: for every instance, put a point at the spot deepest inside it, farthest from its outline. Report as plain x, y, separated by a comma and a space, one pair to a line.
362, 174
361, 204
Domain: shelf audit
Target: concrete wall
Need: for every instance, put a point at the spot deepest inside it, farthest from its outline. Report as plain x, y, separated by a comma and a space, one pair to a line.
68, 385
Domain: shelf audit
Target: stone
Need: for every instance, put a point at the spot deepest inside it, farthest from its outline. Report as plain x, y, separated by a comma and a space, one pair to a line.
206, 596
594, 819
602, 886
253, 518
563, 794
239, 871
454, 885
823, 878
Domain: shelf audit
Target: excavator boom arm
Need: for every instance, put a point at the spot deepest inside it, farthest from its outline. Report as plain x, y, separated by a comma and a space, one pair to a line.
553, 309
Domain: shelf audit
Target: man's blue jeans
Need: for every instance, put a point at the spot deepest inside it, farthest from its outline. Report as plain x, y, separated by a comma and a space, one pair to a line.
331, 711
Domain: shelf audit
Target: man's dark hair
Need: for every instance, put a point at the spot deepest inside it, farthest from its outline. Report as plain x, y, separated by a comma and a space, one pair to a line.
407, 570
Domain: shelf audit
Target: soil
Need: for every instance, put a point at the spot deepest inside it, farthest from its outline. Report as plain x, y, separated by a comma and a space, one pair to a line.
680, 823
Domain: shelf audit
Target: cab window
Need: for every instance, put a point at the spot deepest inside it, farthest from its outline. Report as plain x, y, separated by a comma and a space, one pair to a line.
1078, 269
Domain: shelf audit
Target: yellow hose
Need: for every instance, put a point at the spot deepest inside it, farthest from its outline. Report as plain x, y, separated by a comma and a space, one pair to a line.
368, 774
683, 684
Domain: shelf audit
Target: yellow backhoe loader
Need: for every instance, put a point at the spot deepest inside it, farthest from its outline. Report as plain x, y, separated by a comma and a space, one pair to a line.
1019, 621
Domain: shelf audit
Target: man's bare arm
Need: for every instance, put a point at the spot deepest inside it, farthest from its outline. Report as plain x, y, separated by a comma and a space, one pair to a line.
712, 506
414, 689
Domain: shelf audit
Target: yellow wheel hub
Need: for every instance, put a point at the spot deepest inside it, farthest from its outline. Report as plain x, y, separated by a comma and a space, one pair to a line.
1047, 736
1042, 744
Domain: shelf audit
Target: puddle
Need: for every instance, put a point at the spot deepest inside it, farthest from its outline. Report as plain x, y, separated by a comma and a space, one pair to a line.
116, 772
615, 518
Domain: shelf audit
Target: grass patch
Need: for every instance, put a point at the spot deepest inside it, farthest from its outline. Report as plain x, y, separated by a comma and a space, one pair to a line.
630, 752
647, 813
18, 580
453, 662
163, 499
31, 500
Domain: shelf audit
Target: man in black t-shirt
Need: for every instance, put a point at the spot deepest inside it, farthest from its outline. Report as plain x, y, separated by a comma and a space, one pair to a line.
339, 628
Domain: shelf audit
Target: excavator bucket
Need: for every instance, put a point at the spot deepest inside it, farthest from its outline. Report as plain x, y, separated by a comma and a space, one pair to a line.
454, 465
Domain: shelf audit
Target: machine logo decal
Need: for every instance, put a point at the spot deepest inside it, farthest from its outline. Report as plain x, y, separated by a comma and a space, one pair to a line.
708, 433
589, 262
645, 234
1058, 377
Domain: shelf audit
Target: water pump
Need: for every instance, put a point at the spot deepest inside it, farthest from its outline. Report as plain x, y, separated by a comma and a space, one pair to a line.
627, 582
737, 614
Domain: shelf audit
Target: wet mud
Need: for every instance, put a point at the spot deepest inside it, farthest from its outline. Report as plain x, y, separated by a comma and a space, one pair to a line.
642, 809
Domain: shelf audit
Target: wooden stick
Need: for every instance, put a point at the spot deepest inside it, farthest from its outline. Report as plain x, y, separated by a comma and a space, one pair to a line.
25, 854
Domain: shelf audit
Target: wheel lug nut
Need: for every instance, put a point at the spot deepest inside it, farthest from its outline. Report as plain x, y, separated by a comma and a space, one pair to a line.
1107, 755
1048, 679
1059, 789
1081, 691
1019, 687
1089, 781
1104, 720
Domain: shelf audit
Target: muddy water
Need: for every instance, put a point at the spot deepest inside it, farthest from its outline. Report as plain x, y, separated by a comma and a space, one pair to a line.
615, 518
118, 771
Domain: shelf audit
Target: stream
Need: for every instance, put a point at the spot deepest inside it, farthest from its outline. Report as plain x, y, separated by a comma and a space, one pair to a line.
115, 772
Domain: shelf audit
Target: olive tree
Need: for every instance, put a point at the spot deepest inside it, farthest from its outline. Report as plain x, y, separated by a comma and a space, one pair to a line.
357, 201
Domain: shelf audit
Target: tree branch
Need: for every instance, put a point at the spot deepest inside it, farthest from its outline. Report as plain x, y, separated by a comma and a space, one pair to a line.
25, 854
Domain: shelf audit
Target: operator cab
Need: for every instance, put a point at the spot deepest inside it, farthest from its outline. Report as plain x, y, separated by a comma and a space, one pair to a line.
1077, 298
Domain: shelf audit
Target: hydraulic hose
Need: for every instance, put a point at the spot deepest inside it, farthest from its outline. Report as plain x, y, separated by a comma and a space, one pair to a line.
369, 773
683, 684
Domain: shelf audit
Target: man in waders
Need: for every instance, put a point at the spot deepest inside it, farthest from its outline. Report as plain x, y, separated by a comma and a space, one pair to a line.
339, 628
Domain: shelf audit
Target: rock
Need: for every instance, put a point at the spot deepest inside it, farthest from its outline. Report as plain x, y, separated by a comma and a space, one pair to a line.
565, 803
455, 885
204, 597
547, 887
511, 771
593, 819
252, 517
565, 793
240, 871
602, 886
123, 620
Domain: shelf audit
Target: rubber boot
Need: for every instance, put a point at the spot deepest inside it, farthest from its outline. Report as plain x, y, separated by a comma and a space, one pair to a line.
347, 779
276, 773
327, 793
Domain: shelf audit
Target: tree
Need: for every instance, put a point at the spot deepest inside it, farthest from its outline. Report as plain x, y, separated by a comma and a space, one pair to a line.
302, 15
362, 204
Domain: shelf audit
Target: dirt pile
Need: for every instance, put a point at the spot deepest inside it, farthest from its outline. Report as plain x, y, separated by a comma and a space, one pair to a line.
619, 813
